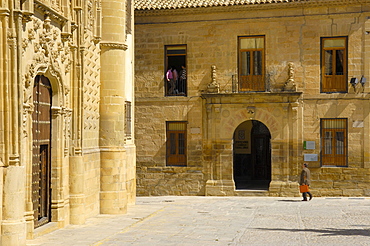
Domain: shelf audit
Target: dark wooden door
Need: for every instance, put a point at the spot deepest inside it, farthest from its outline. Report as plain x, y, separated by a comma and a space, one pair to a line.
261, 157
41, 130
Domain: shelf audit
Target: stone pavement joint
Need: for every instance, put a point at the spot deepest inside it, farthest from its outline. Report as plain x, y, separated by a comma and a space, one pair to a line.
195, 220
139, 220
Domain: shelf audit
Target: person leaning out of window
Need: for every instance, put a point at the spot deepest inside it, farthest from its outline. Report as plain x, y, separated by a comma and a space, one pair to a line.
170, 80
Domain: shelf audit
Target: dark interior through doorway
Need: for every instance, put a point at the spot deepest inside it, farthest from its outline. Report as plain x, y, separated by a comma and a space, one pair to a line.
252, 156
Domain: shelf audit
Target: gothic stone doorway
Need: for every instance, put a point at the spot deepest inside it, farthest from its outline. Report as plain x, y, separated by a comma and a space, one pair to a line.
252, 156
41, 132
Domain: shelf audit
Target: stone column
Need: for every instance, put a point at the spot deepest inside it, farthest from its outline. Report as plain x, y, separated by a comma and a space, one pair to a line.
76, 163
13, 225
113, 195
77, 196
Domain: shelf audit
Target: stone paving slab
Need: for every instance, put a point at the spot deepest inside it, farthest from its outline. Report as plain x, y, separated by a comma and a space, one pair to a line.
189, 221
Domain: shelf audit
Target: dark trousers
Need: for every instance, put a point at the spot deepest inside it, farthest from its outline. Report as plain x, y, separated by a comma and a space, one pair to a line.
304, 194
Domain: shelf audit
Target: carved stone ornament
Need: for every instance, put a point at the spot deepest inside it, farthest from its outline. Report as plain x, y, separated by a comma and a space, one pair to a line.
213, 87
289, 84
47, 54
120, 46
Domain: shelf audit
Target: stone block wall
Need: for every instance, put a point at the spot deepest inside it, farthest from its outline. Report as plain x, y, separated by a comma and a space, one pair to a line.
151, 151
292, 35
92, 184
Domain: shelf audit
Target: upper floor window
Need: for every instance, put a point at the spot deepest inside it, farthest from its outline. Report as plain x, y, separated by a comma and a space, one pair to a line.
176, 73
334, 142
251, 63
176, 143
334, 64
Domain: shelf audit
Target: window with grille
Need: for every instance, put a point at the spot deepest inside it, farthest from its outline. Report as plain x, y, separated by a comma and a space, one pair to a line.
176, 143
128, 16
176, 72
251, 63
128, 119
334, 142
334, 64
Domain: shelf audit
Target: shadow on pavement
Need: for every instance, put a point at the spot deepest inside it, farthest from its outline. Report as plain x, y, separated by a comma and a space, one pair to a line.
289, 200
327, 232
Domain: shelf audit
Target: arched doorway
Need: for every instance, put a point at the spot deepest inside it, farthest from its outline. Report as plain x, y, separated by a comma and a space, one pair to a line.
41, 150
252, 156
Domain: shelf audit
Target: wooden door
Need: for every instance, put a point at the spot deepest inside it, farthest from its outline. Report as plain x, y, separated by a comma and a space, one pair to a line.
261, 157
41, 130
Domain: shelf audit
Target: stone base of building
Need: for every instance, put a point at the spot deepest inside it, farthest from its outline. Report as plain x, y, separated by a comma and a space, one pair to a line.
284, 189
220, 188
227, 188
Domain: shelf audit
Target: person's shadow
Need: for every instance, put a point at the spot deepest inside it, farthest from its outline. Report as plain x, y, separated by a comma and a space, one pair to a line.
289, 200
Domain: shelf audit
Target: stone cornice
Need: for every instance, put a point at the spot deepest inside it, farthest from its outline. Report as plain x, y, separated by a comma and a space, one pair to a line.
49, 11
256, 97
4, 11
113, 45
248, 7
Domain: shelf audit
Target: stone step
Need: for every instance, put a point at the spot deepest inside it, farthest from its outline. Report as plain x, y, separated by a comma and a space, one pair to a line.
252, 193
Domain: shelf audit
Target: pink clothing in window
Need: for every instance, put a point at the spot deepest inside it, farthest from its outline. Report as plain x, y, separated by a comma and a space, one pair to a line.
169, 74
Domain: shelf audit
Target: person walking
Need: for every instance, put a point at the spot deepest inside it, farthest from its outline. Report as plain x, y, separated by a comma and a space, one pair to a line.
305, 180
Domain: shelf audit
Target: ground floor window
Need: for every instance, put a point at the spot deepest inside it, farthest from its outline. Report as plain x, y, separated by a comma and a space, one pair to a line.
176, 143
334, 142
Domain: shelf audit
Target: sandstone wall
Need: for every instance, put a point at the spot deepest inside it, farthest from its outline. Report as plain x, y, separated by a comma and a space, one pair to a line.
292, 35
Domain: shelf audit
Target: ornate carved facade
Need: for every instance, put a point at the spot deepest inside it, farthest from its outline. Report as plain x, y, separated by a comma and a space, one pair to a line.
64, 152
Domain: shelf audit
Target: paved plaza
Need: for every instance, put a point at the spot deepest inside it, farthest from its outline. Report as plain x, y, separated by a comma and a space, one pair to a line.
173, 220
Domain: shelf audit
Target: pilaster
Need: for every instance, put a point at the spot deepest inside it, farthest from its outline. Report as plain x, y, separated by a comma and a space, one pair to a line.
77, 197
366, 73
13, 225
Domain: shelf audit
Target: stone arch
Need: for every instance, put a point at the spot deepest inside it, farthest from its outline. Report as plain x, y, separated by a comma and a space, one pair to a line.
268, 117
60, 118
59, 88
252, 155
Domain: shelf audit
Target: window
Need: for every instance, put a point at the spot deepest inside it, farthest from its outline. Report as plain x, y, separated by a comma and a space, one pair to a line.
251, 63
128, 16
176, 83
334, 142
176, 143
128, 119
334, 64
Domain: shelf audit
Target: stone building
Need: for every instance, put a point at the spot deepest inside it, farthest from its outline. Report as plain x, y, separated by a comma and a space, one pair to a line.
270, 84
67, 148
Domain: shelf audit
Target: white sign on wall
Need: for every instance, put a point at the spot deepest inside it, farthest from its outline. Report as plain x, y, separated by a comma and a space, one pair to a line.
358, 124
310, 157
309, 145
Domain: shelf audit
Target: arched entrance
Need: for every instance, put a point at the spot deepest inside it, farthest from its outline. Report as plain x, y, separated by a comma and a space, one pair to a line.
252, 156
41, 150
